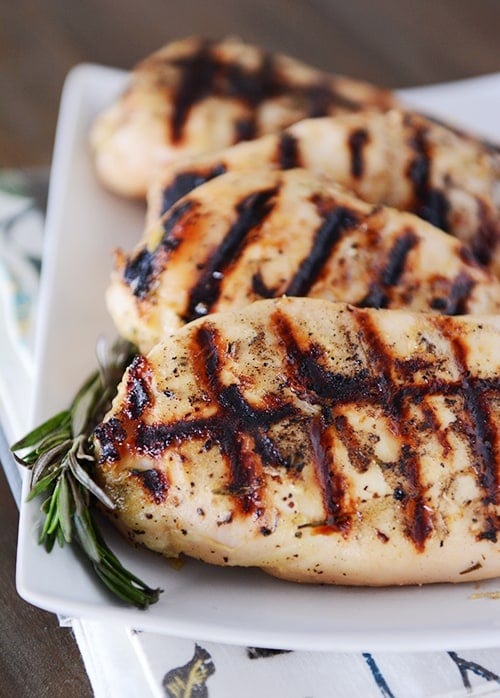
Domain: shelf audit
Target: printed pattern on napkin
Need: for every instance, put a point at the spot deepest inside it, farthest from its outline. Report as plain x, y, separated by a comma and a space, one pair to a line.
179, 668
21, 241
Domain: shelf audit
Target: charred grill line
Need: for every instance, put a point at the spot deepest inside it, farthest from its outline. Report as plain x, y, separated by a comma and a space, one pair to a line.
204, 73
323, 99
140, 271
255, 422
251, 212
153, 439
235, 420
459, 294
259, 287
358, 455
487, 237
358, 139
309, 380
335, 222
111, 435
139, 396
332, 484
418, 517
253, 88
288, 151
185, 182
418, 522
431, 423
198, 73
397, 258
479, 430
154, 481
431, 204
377, 296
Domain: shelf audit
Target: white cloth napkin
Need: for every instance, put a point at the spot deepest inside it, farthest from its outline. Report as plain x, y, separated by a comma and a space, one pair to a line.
122, 662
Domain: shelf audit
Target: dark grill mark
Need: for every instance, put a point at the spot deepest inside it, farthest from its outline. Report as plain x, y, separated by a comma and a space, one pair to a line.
111, 435
139, 273
185, 182
254, 87
432, 425
397, 258
245, 129
358, 139
141, 270
332, 484
490, 531
310, 380
255, 421
477, 425
288, 151
377, 296
359, 456
335, 222
418, 521
431, 204
460, 292
418, 517
242, 432
487, 237
306, 375
322, 99
457, 300
250, 213
153, 439
154, 482
138, 392
198, 73
259, 287
236, 419
203, 74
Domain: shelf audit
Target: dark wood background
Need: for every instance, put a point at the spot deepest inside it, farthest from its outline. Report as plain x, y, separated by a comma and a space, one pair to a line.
396, 43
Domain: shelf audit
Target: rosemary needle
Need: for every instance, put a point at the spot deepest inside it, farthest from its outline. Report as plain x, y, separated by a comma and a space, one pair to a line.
59, 455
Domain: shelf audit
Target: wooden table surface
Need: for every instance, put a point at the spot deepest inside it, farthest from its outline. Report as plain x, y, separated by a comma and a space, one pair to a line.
396, 43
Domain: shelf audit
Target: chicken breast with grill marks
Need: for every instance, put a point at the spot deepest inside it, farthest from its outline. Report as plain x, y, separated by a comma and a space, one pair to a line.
250, 235
396, 158
196, 95
318, 441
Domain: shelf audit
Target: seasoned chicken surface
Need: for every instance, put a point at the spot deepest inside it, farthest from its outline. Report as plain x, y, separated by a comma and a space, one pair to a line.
396, 158
196, 95
250, 235
318, 441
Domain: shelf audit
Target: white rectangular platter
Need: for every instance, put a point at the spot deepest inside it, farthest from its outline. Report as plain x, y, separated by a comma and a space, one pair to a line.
85, 223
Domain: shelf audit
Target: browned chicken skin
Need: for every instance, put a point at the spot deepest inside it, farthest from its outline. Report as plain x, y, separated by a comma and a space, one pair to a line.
250, 235
321, 442
195, 96
397, 158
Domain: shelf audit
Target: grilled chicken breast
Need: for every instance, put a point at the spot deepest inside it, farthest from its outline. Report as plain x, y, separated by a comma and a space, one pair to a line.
250, 235
318, 441
196, 95
396, 158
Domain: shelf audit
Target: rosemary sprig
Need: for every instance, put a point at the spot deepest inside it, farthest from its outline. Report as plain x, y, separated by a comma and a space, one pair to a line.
59, 455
